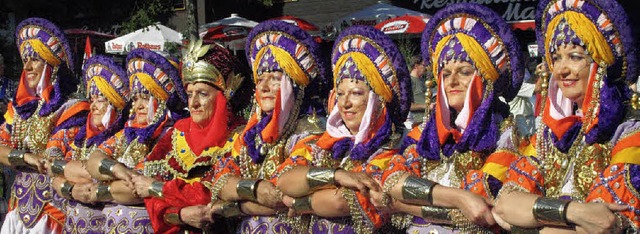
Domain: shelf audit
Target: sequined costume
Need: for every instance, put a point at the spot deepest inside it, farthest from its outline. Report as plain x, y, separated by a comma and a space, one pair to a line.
472, 149
104, 78
184, 157
363, 54
150, 74
41, 121
261, 147
587, 154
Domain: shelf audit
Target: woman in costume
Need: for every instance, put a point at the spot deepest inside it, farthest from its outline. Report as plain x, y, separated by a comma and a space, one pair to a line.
287, 67
157, 99
370, 101
108, 92
458, 157
586, 149
42, 108
179, 170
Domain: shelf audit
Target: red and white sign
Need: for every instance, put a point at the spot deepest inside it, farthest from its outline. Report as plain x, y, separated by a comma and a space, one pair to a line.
399, 26
152, 38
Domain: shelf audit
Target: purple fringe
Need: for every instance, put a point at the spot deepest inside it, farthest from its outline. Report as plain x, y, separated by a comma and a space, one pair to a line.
612, 111
75, 121
250, 136
363, 151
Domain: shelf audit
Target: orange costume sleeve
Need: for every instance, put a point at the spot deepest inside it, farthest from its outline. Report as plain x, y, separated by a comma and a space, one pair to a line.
619, 182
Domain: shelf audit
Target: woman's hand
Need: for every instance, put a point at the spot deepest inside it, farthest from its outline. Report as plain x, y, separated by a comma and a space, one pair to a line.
268, 196
35, 161
84, 193
196, 216
357, 181
121, 172
595, 217
476, 208
382, 201
142, 184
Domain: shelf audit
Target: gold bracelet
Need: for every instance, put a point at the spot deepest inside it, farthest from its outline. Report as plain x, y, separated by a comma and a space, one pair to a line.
103, 193
321, 177
57, 166
106, 166
247, 189
521, 230
16, 158
66, 189
302, 204
417, 189
155, 189
436, 214
551, 211
231, 209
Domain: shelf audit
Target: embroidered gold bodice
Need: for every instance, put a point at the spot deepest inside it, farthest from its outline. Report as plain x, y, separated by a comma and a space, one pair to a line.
33, 133
586, 160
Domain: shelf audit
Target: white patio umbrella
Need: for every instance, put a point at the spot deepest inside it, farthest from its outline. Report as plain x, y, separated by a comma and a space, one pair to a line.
233, 20
151, 37
373, 15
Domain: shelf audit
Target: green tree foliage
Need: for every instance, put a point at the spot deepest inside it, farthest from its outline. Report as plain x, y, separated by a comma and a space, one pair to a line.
147, 12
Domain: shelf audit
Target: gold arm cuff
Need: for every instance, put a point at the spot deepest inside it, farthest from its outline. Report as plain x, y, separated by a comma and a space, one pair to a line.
172, 218
66, 190
16, 158
303, 204
106, 166
551, 211
103, 193
320, 178
155, 189
521, 230
231, 209
57, 166
436, 214
247, 189
417, 189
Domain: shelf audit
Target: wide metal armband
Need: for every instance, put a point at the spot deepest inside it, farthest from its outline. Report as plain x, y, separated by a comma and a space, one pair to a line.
247, 189
103, 193
521, 230
436, 214
320, 177
155, 189
172, 218
65, 190
301, 205
417, 189
231, 209
551, 211
57, 166
106, 166
16, 158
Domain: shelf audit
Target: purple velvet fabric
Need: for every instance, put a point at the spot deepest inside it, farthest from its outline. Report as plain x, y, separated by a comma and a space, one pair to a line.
250, 136
362, 151
634, 176
481, 135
